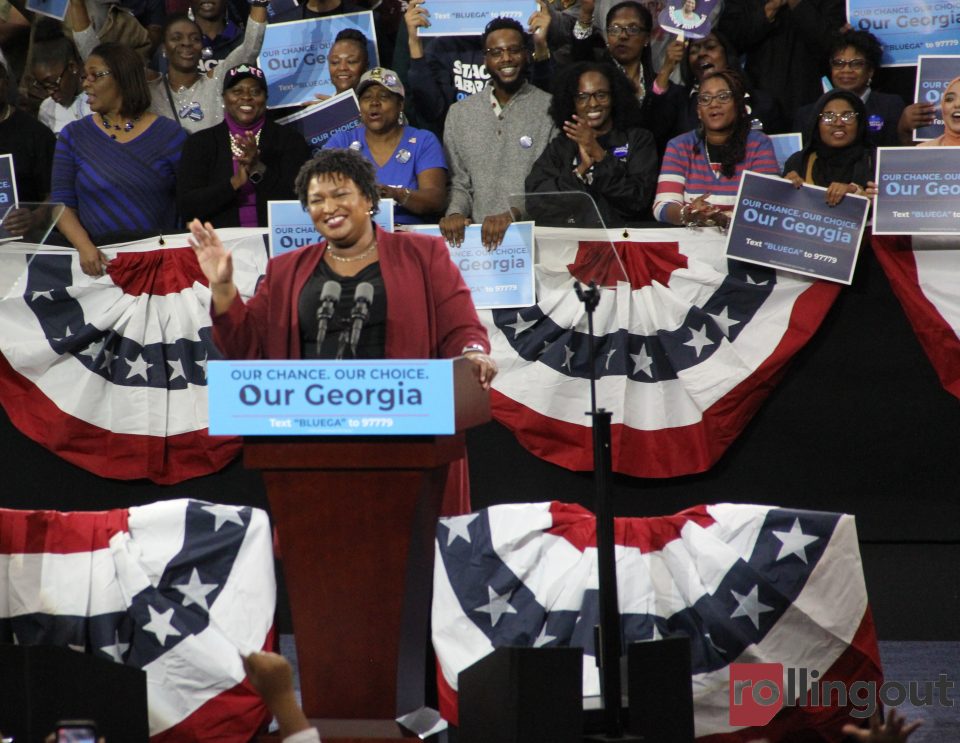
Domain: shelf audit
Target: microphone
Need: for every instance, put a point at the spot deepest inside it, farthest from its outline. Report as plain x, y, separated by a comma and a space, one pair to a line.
329, 296
362, 299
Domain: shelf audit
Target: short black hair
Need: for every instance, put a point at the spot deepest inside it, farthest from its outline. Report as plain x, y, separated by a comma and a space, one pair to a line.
624, 106
339, 162
50, 46
733, 58
634, 5
358, 37
863, 41
177, 18
501, 23
127, 69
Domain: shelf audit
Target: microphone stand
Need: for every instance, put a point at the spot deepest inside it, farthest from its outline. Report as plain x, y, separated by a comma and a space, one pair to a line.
608, 645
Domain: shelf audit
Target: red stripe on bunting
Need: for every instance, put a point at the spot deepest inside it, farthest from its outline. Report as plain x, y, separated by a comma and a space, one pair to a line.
164, 460
37, 532
682, 450
935, 333
156, 272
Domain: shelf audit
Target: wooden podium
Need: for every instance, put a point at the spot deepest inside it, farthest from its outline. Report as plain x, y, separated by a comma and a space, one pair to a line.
356, 519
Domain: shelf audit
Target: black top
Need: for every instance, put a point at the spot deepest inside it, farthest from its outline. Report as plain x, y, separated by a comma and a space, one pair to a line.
32, 145
373, 339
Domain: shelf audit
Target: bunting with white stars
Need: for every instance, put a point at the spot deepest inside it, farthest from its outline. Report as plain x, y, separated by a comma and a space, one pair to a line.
745, 583
686, 349
179, 589
116, 366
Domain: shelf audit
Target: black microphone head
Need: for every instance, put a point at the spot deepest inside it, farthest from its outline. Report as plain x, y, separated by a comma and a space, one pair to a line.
331, 291
364, 292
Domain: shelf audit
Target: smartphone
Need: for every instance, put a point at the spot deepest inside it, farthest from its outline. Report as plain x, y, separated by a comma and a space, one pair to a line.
76, 731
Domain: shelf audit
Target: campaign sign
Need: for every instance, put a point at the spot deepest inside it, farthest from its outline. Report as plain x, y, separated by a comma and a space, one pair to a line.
321, 121
53, 8
933, 74
294, 56
469, 18
777, 225
688, 19
8, 183
500, 278
919, 191
785, 145
331, 398
908, 28
289, 227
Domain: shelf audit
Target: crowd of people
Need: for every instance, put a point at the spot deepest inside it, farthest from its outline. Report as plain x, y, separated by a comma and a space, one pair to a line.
148, 117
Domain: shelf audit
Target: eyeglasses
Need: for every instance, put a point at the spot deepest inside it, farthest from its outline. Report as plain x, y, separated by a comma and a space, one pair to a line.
705, 99
94, 76
854, 64
50, 87
601, 96
497, 52
832, 117
618, 30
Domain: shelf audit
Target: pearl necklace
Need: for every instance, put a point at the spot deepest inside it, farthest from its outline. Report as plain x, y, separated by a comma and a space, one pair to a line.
127, 127
351, 259
235, 145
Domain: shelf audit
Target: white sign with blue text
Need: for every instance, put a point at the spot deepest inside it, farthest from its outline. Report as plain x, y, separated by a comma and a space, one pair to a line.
289, 227
907, 29
933, 75
331, 398
321, 121
468, 17
499, 278
918, 191
294, 56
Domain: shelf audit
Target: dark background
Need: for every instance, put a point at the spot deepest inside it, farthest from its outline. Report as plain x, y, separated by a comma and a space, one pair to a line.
860, 424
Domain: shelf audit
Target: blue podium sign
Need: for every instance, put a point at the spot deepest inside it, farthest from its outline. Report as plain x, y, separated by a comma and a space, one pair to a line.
793, 229
294, 56
933, 74
331, 398
289, 227
469, 17
319, 122
908, 29
498, 279
918, 191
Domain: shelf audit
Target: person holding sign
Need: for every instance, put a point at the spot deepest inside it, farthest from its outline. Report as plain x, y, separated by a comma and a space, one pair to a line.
410, 165
854, 59
601, 149
950, 106
701, 170
228, 173
838, 156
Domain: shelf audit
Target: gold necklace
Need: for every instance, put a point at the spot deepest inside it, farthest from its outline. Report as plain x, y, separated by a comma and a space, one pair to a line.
351, 259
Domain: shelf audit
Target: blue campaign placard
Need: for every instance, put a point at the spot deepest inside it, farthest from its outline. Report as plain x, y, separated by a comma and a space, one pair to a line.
319, 122
500, 278
53, 8
331, 398
933, 74
289, 227
918, 191
908, 29
469, 17
777, 225
785, 145
294, 56
8, 183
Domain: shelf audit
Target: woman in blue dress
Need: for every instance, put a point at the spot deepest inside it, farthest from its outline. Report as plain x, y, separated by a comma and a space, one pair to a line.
409, 163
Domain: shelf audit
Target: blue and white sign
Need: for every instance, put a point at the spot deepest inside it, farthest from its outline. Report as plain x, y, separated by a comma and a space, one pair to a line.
317, 123
53, 8
294, 56
777, 225
469, 17
933, 74
8, 183
908, 29
289, 227
331, 398
500, 278
785, 145
918, 191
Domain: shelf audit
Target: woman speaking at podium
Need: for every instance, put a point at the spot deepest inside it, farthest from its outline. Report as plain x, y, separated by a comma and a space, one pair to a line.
420, 308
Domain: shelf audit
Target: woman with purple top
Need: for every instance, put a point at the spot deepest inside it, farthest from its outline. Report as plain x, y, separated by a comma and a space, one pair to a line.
229, 172
115, 169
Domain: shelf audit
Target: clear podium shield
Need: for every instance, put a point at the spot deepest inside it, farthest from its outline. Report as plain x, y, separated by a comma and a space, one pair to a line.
31, 222
597, 259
